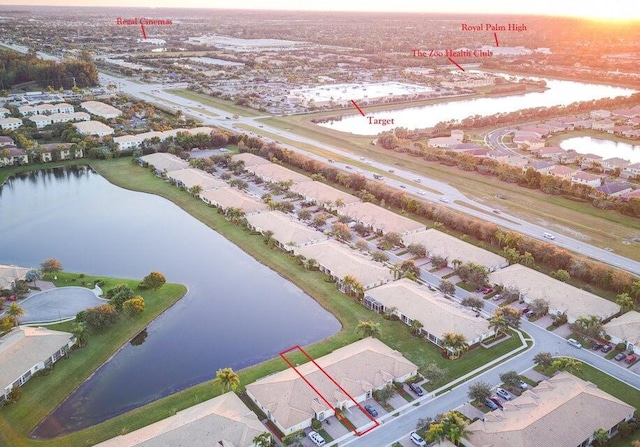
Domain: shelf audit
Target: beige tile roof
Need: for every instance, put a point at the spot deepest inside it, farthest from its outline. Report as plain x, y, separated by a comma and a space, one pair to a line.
323, 193
191, 177
10, 273
93, 128
24, 347
250, 159
286, 229
562, 411
342, 261
162, 161
361, 366
222, 419
625, 327
438, 314
100, 109
561, 296
380, 218
275, 173
229, 197
441, 244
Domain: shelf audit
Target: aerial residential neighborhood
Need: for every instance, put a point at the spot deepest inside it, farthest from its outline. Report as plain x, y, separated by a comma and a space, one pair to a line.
297, 225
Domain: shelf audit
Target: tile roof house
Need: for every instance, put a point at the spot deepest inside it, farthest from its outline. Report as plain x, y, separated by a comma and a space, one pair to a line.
288, 232
100, 109
562, 297
11, 155
163, 162
6, 141
631, 171
586, 178
189, 177
65, 151
10, 123
543, 167
229, 197
9, 274
27, 350
380, 219
625, 329
249, 159
606, 125
615, 189
564, 172
438, 243
93, 128
224, 421
323, 194
439, 315
562, 411
272, 172
359, 369
613, 163
337, 260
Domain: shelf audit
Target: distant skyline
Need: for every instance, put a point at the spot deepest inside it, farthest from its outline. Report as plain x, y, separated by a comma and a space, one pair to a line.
594, 9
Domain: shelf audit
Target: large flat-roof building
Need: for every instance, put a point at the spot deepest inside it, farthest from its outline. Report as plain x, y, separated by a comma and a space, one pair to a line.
625, 329
562, 411
100, 109
380, 219
272, 172
359, 368
410, 301
337, 260
438, 243
224, 421
323, 195
26, 350
287, 231
562, 297
229, 197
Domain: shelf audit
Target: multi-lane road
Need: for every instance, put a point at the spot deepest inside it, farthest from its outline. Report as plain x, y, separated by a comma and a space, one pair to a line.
456, 199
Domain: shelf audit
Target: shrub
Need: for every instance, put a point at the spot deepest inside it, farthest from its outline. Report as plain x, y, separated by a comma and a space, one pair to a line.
15, 394
316, 424
153, 280
621, 347
102, 316
81, 316
133, 306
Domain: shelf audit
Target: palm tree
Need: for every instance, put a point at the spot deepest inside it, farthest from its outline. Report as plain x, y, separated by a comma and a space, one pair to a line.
499, 323
195, 190
263, 440
544, 359
415, 327
454, 427
81, 334
454, 344
625, 302
635, 290
352, 286
228, 378
567, 364
396, 270
312, 264
32, 276
600, 437
368, 329
14, 312
268, 237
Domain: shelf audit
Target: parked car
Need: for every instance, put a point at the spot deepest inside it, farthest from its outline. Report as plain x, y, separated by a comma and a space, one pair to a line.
316, 438
523, 385
606, 348
504, 394
496, 401
12, 298
417, 439
491, 404
416, 389
619, 356
525, 310
487, 290
575, 343
372, 411
631, 358
496, 297
596, 346
530, 314
432, 288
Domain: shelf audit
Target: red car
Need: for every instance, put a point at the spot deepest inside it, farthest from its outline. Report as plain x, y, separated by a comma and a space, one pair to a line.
12, 298
631, 358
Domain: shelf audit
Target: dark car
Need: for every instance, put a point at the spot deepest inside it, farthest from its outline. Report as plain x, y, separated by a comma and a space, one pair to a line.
525, 310
372, 411
491, 404
606, 348
416, 389
597, 346
496, 401
620, 356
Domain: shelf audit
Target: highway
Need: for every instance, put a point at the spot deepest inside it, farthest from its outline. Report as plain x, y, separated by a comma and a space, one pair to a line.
456, 199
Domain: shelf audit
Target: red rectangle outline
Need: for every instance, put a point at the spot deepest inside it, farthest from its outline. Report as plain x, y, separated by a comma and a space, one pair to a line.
329, 404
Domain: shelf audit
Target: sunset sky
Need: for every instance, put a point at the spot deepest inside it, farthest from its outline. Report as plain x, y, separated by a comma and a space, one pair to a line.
600, 9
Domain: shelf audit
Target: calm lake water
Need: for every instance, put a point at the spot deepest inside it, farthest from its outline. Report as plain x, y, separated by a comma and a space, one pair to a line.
558, 93
603, 148
237, 312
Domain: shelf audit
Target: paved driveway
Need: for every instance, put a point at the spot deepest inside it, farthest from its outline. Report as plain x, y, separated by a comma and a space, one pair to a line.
57, 304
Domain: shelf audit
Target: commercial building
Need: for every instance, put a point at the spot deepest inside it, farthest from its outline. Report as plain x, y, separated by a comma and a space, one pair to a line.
562, 297
360, 368
453, 249
561, 411
286, 231
27, 350
439, 316
224, 421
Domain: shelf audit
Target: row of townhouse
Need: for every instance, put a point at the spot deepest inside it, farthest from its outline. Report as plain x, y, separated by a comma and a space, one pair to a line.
45, 109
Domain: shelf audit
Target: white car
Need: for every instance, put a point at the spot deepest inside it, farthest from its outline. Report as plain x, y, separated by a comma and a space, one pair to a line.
575, 343
504, 394
444, 200
421, 192
417, 439
548, 236
316, 438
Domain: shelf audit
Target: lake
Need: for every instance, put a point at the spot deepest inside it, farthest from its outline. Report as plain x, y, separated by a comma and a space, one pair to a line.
558, 93
237, 312
603, 148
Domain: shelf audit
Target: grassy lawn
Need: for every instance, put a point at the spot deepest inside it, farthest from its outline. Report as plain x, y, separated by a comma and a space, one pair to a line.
215, 102
42, 394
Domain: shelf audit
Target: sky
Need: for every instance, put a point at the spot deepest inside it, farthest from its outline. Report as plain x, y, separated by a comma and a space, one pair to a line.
595, 9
